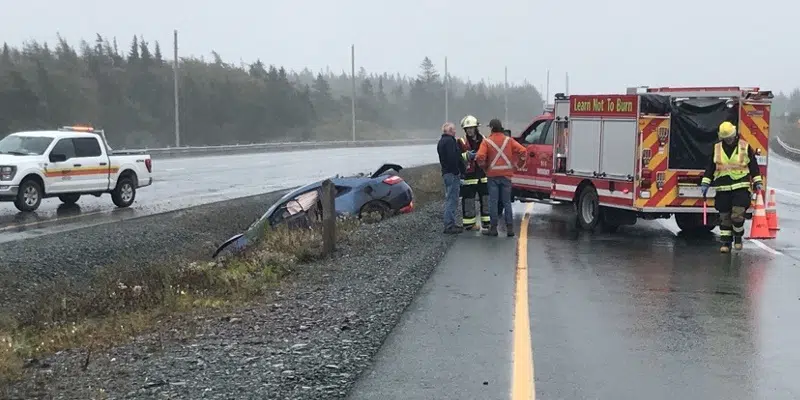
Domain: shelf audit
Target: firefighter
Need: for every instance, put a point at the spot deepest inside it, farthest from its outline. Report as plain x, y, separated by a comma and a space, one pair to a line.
475, 182
732, 166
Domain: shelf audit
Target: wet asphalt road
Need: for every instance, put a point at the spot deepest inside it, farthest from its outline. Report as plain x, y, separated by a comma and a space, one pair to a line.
641, 314
181, 183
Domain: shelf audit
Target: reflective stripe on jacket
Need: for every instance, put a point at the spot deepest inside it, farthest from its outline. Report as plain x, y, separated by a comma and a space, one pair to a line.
499, 154
732, 166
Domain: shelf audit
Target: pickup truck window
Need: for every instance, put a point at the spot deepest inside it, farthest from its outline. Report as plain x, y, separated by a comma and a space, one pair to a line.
65, 147
87, 147
24, 145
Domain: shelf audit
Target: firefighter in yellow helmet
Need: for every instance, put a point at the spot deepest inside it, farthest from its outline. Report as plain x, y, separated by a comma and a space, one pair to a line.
474, 182
731, 169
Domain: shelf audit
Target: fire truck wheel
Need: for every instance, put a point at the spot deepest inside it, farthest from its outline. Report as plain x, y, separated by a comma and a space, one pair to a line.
692, 223
588, 208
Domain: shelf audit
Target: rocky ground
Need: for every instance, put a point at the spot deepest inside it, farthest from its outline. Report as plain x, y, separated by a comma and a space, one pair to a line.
309, 340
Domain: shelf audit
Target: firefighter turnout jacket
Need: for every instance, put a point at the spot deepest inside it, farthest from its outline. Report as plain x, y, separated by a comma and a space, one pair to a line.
474, 174
732, 167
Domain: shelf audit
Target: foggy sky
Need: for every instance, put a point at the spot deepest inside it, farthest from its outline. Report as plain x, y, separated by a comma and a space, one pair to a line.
605, 46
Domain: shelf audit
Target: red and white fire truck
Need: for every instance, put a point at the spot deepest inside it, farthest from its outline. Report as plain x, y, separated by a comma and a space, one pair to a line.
621, 157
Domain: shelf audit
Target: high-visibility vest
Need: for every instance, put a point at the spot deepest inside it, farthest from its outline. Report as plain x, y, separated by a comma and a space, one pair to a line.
735, 166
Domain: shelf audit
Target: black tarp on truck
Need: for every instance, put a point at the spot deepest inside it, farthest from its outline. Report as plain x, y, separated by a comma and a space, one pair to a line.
693, 127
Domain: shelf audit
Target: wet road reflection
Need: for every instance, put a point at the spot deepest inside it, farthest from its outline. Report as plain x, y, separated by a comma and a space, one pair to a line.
647, 314
181, 183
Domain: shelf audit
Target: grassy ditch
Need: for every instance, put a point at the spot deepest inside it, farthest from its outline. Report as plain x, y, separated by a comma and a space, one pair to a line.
120, 304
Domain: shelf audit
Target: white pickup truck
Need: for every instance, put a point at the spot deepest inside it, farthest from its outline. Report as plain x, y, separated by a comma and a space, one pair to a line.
67, 163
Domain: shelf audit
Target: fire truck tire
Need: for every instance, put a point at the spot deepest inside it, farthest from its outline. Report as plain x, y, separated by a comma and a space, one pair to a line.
692, 223
588, 208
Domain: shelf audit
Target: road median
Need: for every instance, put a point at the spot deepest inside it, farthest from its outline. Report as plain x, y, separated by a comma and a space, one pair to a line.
285, 313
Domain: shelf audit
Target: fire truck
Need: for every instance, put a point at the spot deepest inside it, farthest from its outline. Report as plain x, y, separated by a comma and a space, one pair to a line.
640, 155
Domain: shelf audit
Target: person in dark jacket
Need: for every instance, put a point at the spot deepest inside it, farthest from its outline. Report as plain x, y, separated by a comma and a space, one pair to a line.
453, 168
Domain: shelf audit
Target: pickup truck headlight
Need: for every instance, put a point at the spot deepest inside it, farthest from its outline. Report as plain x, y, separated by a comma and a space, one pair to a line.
7, 172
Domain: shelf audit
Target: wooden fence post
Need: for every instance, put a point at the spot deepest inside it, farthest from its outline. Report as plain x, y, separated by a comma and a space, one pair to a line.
328, 197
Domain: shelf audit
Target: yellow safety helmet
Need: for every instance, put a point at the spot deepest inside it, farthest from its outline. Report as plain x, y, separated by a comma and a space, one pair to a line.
726, 130
469, 121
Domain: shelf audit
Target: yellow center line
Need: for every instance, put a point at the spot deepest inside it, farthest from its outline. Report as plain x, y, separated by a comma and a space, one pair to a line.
522, 381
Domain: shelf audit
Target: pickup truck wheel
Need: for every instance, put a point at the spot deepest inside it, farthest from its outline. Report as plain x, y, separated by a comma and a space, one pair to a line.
125, 193
69, 198
29, 196
588, 208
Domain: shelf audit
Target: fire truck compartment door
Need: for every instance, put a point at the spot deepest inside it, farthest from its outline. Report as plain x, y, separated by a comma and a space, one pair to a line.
583, 157
618, 152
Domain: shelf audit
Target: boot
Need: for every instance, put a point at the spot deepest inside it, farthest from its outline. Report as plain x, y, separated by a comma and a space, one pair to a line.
492, 231
453, 230
510, 230
726, 248
737, 242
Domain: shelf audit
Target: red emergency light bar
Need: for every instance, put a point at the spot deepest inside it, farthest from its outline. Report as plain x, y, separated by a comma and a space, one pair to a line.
77, 128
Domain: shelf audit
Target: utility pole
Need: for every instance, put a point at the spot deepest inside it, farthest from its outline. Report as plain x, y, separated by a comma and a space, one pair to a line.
446, 93
353, 72
505, 96
175, 78
547, 95
566, 89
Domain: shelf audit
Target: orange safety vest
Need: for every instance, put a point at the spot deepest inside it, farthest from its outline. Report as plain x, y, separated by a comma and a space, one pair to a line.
500, 151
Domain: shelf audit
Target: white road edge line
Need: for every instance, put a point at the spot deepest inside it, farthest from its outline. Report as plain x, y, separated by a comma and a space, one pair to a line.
765, 247
788, 192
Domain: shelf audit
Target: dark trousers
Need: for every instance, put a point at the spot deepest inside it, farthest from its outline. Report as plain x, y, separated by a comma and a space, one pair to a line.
732, 205
500, 192
469, 214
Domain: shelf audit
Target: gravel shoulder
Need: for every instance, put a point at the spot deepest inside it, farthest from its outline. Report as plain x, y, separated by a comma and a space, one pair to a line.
309, 340
73, 257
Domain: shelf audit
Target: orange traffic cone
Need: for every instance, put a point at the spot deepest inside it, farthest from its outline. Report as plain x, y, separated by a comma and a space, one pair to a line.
772, 212
758, 227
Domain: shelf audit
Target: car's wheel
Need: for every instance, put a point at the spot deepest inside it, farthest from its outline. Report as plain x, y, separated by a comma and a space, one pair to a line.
69, 198
588, 208
374, 211
29, 196
124, 193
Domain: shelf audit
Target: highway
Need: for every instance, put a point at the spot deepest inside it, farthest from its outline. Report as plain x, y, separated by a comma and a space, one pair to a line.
184, 182
641, 314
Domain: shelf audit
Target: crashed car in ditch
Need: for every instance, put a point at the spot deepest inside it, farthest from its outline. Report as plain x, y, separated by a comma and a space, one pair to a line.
381, 194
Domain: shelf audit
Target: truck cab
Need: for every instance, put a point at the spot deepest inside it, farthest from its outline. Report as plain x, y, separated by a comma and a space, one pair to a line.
533, 181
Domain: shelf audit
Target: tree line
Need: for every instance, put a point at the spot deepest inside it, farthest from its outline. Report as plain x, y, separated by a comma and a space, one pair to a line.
127, 89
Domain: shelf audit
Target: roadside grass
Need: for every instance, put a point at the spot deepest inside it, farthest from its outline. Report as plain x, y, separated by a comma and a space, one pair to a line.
119, 304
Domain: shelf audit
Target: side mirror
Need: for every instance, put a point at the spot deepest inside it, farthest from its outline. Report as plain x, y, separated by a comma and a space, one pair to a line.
58, 157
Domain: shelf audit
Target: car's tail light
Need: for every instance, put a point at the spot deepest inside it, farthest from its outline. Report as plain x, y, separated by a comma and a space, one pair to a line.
393, 180
149, 164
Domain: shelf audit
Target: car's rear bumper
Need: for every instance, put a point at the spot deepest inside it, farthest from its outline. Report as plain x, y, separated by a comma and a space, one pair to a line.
143, 183
404, 202
407, 209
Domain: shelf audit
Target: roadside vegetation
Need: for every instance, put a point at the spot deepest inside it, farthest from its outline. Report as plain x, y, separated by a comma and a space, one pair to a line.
121, 304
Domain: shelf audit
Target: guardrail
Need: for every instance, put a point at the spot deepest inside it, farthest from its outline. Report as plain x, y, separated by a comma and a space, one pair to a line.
787, 148
167, 152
